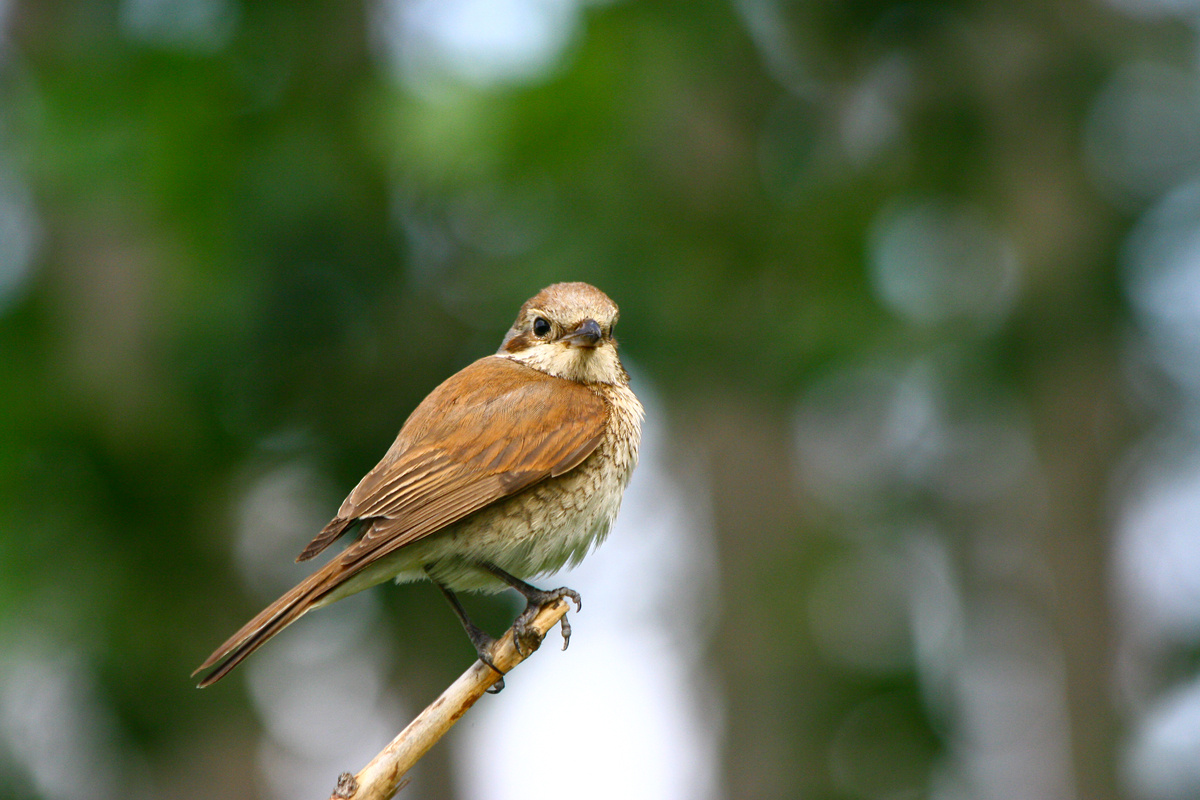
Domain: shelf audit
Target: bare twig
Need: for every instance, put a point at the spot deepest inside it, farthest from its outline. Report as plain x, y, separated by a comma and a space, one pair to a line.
380, 779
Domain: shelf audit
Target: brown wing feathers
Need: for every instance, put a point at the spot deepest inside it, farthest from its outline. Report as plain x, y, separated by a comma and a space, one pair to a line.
328, 535
455, 455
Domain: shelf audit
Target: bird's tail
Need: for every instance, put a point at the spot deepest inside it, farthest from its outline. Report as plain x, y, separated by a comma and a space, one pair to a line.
270, 621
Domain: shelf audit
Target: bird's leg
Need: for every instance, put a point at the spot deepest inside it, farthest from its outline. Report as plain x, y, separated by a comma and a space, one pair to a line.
535, 600
480, 639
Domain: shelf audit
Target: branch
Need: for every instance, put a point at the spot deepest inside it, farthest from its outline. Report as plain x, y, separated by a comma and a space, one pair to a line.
384, 776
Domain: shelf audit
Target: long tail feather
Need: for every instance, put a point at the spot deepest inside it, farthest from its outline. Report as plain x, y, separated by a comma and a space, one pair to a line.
268, 622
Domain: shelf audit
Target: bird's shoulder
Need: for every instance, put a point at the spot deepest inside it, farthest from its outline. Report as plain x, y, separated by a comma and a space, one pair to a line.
502, 396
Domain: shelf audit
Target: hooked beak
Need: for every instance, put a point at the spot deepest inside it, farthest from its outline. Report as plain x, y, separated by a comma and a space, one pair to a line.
587, 334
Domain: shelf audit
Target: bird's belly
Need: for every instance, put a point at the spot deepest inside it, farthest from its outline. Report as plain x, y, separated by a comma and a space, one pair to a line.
539, 531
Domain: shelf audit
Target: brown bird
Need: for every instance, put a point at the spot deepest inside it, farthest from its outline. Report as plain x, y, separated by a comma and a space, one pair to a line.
512, 468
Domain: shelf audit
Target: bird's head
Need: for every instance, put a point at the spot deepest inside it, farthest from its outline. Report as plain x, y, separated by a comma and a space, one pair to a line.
566, 330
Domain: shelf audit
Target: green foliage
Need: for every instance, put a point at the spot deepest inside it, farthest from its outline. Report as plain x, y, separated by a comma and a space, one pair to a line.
270, 250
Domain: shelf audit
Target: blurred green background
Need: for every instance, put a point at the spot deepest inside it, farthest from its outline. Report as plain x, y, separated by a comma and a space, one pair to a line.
912, 290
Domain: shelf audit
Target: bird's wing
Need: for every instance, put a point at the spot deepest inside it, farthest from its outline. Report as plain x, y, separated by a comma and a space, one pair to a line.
490, 431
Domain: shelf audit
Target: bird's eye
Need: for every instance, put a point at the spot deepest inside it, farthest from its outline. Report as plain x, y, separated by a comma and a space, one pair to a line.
541, 327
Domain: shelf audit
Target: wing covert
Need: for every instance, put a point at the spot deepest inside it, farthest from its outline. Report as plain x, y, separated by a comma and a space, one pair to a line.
489, 431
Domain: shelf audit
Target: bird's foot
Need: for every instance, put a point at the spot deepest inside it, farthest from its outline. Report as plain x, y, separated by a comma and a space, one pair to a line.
484, 647
525, 637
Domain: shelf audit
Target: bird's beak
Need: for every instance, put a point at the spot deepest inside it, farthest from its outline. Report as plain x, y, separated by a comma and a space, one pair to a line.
587, 334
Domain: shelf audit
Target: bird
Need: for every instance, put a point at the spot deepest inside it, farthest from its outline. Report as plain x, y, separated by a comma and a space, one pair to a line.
511, 469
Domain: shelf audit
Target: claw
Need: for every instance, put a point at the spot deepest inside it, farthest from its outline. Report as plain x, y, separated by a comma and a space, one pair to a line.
498, 686
565, 627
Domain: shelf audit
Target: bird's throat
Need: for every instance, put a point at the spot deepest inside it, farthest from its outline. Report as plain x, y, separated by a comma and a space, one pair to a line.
580, 364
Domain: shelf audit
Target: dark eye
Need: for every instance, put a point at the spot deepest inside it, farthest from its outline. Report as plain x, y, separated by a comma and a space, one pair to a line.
541, 327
